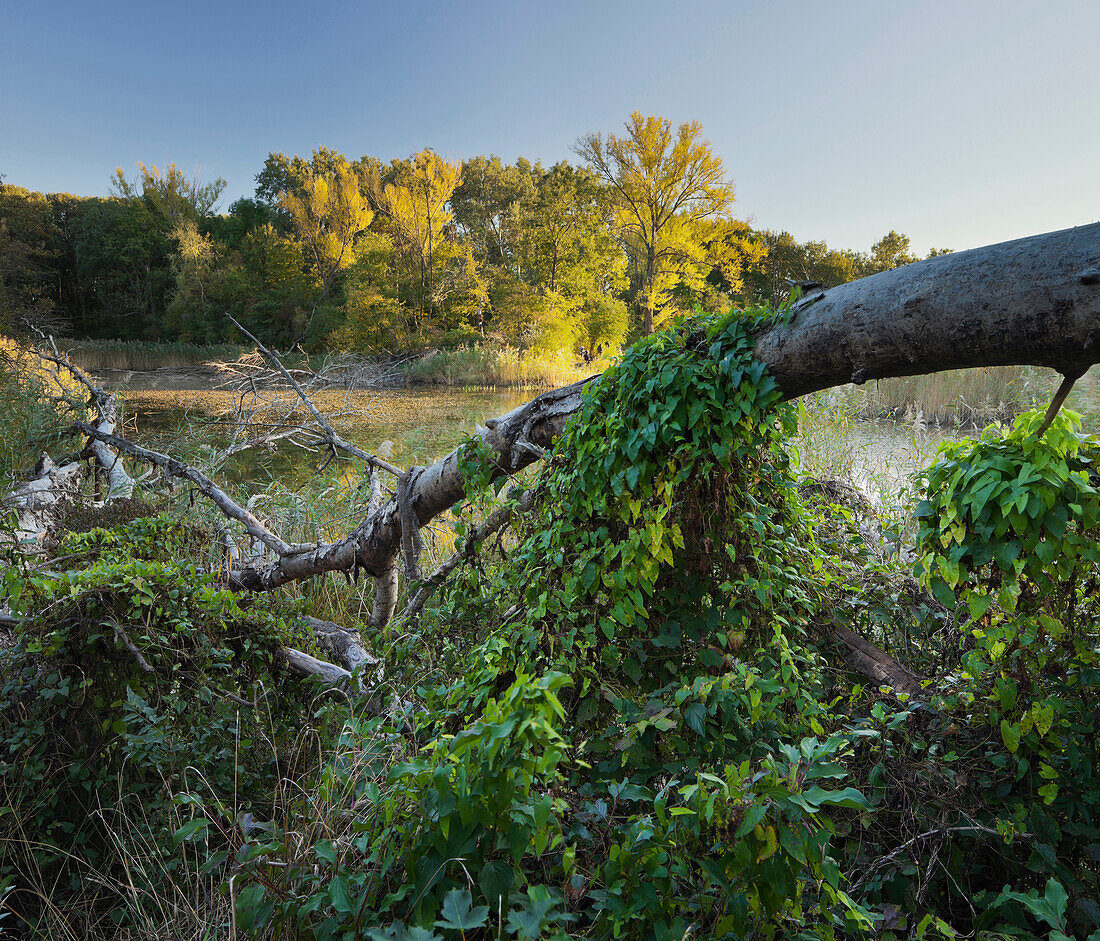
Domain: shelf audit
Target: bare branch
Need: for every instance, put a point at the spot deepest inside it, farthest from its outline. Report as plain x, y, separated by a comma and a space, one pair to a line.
120, 483
1059, 398
330, 433
123, 638
205, 486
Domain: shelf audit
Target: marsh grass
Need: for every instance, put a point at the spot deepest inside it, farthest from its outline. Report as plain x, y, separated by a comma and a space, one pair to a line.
499, 367
878, 458
147, 354
957, 398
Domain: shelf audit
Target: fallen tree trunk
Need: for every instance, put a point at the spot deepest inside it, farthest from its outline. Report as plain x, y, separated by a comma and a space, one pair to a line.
1033, 301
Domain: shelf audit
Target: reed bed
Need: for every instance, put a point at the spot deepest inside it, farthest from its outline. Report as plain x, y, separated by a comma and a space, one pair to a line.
958, 398
147, 354
499, 367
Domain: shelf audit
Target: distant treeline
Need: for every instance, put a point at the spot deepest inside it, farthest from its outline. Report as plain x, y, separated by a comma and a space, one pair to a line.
362, 255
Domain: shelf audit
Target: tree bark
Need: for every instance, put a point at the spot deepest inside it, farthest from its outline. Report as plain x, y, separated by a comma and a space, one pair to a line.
1033, 301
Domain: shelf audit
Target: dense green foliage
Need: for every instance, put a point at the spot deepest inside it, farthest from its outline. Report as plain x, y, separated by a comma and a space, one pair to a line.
637, 732
648, 734
369, 257
1011, 527
633, 721
133, 678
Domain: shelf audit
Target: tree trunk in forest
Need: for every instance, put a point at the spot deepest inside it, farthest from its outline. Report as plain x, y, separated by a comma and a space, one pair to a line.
1033, 301
650, 278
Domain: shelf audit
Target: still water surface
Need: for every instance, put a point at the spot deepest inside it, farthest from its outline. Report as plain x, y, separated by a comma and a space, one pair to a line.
418, 426
410, 426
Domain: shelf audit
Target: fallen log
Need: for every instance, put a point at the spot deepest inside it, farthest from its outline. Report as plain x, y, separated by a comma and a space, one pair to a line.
1032, 301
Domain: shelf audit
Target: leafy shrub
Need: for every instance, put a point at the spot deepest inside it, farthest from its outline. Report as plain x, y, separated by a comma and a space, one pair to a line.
131, 678
1010, 527
669, 575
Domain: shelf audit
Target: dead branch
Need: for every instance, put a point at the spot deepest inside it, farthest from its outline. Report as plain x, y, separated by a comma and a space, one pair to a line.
1059, 398
120, 484
121, 637
334, 440
228, 506
305, 665
876, 664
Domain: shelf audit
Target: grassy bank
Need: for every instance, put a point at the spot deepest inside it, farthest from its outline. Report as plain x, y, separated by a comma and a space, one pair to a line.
476, 366
499, 367
146, 354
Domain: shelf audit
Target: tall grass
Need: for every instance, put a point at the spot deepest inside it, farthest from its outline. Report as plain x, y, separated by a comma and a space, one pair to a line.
147, 354
500, 367
959, 398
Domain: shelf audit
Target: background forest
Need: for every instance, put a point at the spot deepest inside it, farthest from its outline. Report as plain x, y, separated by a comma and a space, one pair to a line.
364, 256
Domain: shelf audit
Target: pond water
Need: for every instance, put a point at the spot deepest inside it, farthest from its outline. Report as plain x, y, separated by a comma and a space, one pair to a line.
419, 425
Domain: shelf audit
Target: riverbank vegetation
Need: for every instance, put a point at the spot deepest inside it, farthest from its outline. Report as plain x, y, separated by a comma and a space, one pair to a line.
634, 714
418, 254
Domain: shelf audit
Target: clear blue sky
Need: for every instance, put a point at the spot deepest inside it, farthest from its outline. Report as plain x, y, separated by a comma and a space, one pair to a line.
958, 122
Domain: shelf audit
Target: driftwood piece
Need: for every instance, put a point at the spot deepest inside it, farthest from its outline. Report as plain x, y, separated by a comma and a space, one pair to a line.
38, 502
347, 647
119, 482
306, 665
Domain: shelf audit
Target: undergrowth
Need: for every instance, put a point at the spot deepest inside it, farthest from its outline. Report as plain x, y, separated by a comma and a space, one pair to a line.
632, 718
133, 680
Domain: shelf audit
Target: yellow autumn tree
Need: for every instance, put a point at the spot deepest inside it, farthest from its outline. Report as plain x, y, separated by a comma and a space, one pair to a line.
666, 187
417, 204
329, 211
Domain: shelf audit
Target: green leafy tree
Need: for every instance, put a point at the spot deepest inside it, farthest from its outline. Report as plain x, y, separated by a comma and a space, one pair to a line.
279, 284
664, 186
376, 319
122, 254
170, 192
487, 207
891, 251
329, 212
416, 204
283, 174
28, 258
785, 260
571, 253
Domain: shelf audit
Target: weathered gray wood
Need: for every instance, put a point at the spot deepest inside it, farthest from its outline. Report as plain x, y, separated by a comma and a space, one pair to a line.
305, 665
1033, 301
38, 502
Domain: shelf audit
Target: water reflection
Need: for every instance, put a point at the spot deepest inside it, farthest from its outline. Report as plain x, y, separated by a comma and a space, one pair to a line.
420, 425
